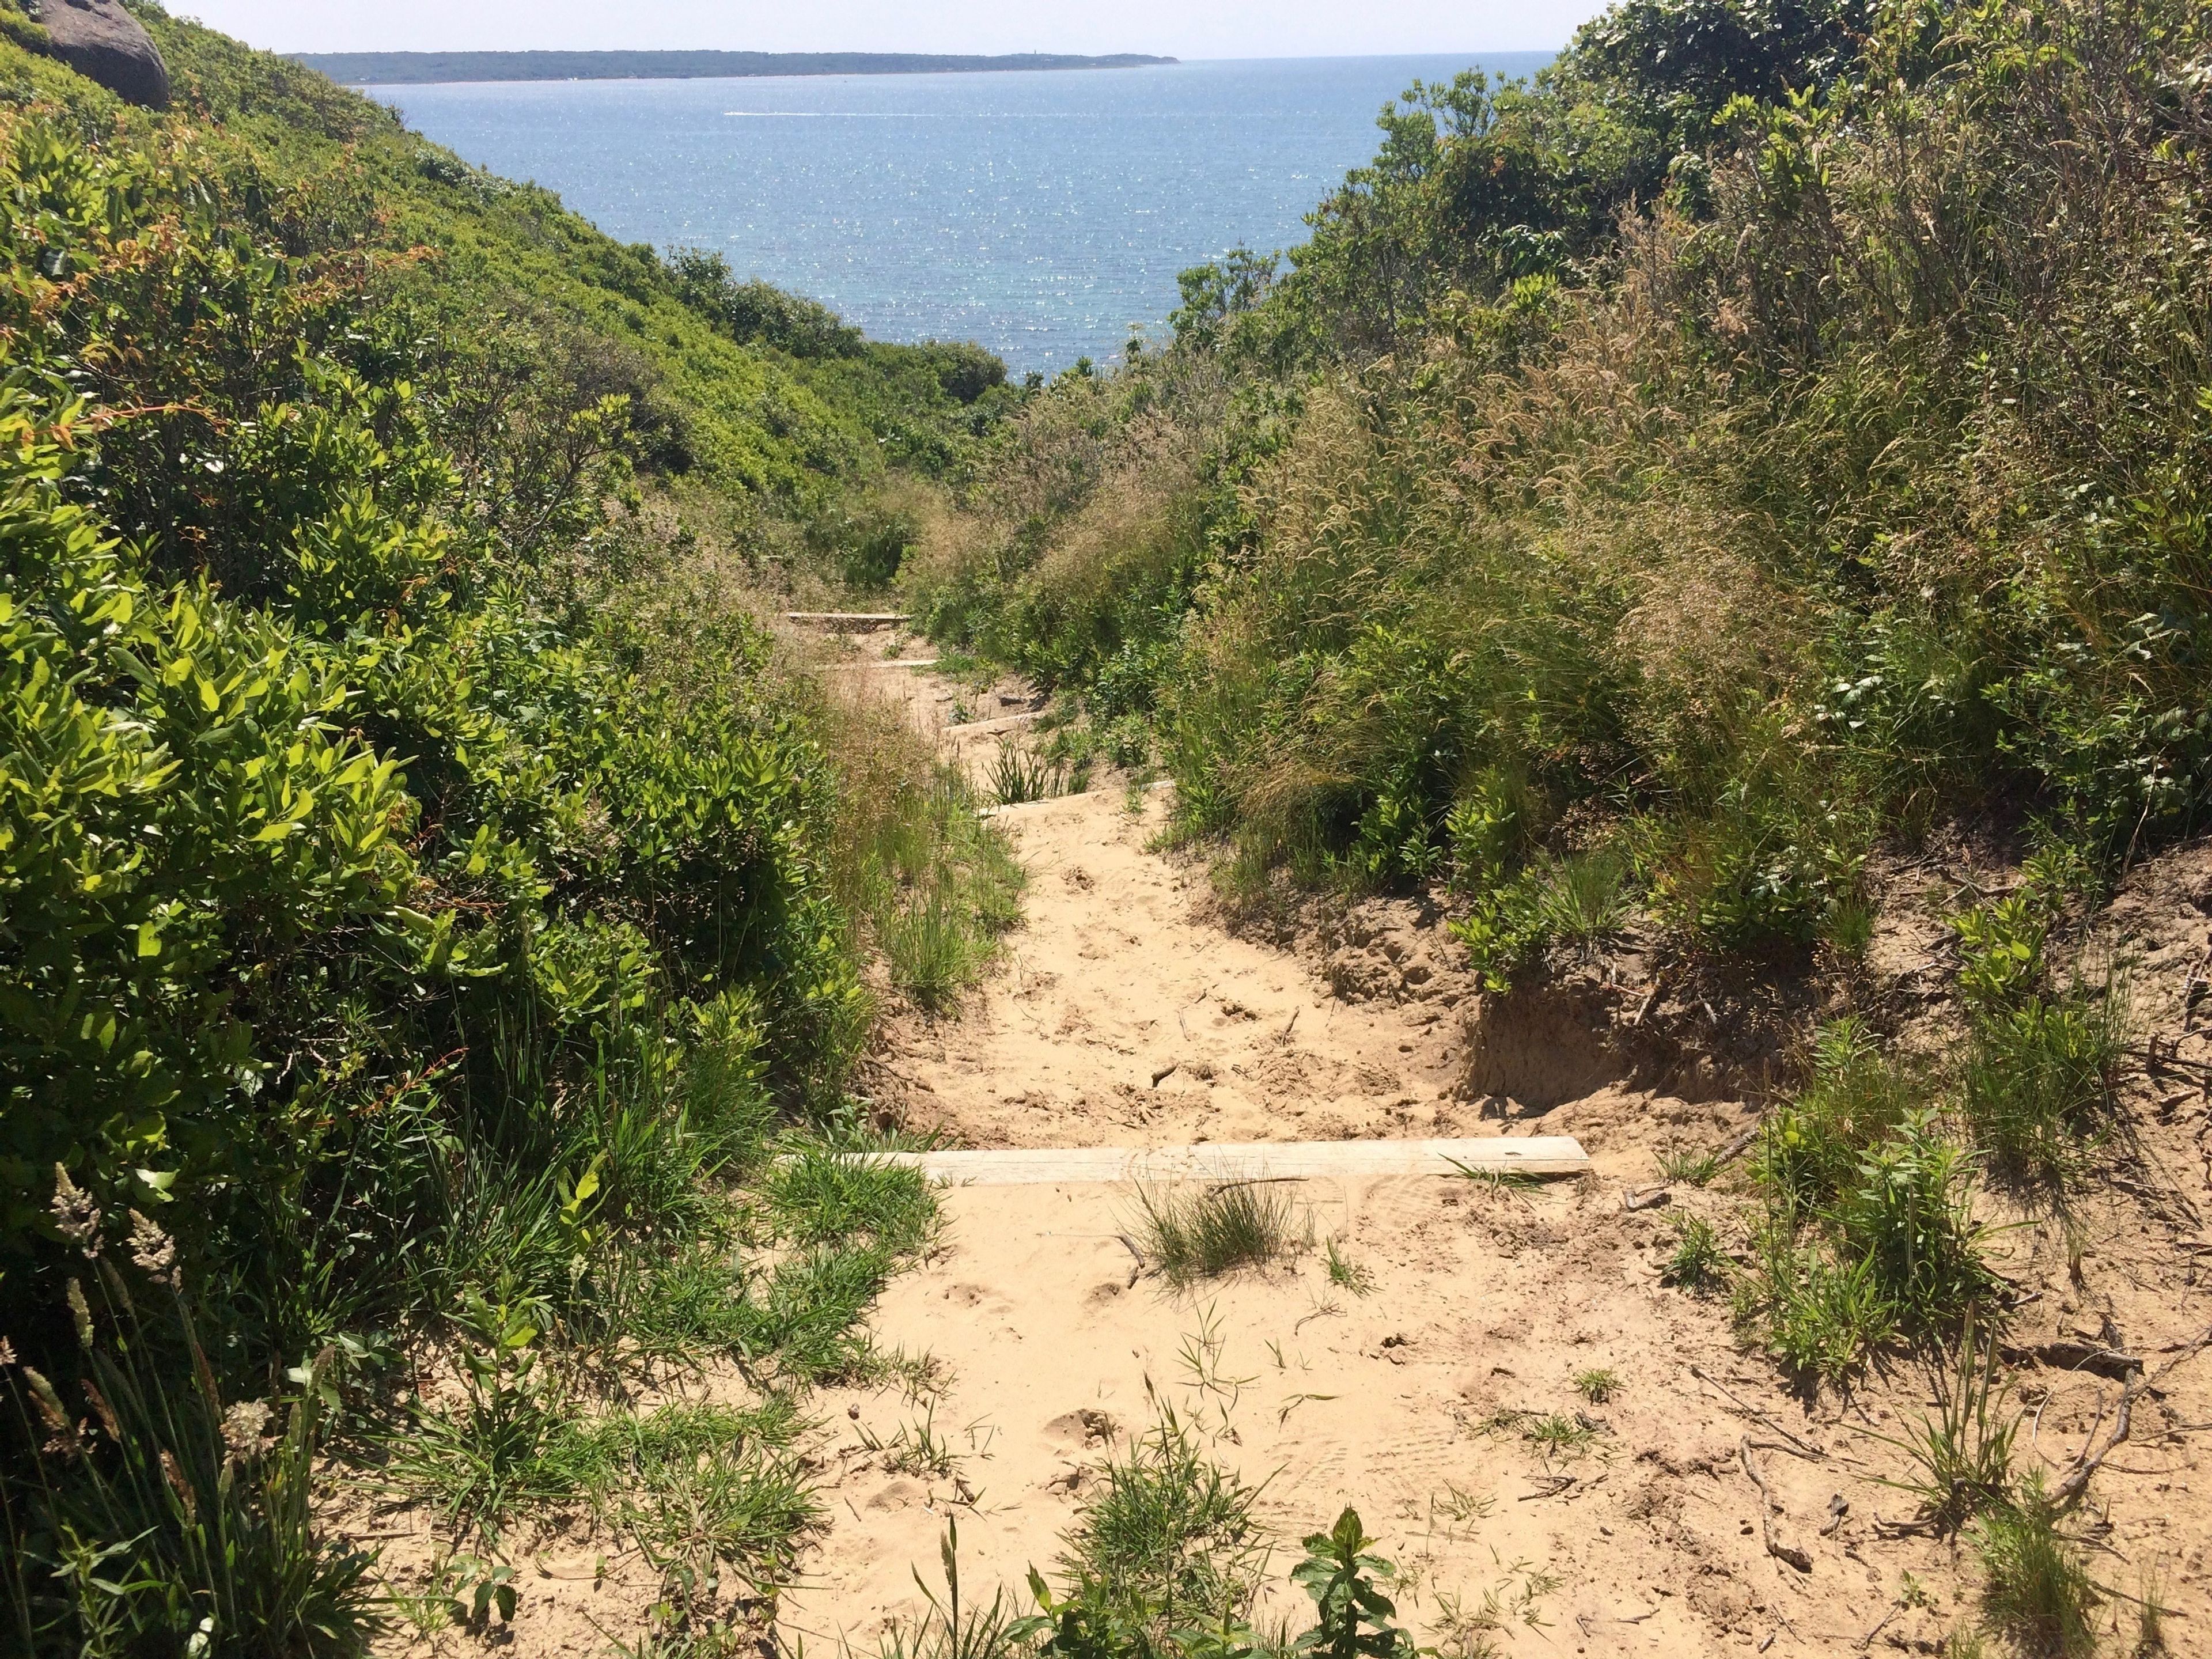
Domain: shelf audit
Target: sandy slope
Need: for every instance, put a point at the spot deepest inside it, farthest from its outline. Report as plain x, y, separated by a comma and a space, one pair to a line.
1121, 1018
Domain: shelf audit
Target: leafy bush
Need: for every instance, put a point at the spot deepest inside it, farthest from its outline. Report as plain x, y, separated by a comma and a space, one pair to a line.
422, 881
1550, 492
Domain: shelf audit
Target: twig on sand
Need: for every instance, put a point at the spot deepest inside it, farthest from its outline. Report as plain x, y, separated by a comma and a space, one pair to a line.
1802, 1448
1887, 1613
1775, 1547
1548, 1485
2077, 1479
1734, 1150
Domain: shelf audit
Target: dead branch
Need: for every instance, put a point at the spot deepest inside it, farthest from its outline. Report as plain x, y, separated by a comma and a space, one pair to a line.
1804, 1447
1775, 1547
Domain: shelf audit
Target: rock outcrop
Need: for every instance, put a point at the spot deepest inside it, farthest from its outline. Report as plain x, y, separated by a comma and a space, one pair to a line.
102, 42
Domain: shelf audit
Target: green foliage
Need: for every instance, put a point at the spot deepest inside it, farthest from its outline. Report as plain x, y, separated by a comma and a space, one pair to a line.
422, 885
754, 312
2036, 1082
1614, 468
1351, 1615
1868, 1227
1169, 1541
1345, 1273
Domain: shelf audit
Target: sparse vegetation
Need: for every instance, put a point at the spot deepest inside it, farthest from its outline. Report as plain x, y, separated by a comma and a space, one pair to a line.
2037, 1591
1964, 1453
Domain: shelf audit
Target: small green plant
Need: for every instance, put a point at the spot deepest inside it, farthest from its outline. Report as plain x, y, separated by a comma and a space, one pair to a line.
1849, 929
914, 1448
1821, 1316
1345, 1273
1554, 1434
1698, 1264
1855, 1097
2001, 948
1192, 1233
1516, 1599
950, 1631
1352, 1616
1597, 1386
2037, 1591
1019, 777
1587, 898
930, 948
1169, 1536
1963, 1453
480, 1588
509, 1441
2036, 1081
1688, 1165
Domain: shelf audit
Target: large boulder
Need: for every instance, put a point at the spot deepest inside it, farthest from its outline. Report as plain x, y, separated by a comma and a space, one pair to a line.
102, 42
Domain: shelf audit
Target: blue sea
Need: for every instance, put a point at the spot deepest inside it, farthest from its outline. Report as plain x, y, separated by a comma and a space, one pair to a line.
1045, 214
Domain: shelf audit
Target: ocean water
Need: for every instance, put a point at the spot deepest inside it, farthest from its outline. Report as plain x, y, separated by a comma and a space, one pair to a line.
1045, 214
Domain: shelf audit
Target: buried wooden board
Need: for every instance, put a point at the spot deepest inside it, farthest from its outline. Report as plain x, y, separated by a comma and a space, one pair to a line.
1291, 1160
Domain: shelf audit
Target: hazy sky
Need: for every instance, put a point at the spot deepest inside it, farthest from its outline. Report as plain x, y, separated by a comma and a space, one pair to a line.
1184, 28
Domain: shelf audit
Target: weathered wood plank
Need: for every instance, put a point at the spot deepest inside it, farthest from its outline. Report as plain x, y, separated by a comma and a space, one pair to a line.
836, 619
1292, 1160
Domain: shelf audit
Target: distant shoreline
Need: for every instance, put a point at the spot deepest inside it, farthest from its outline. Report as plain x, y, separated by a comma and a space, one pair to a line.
432, 68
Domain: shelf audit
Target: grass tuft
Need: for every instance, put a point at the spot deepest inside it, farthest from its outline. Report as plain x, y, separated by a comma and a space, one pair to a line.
2037, 1591
1169, 1531
1348, 1275
1019, 777
1698, 1264
1689, 1166
1191, 1233
1597, 1386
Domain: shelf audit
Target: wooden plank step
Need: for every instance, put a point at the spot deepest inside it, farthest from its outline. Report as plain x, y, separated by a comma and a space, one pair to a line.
993, 727
859, 619
1272, 1160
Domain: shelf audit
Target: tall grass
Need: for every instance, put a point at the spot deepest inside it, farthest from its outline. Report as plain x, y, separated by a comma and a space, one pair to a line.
157, 1516
934, 884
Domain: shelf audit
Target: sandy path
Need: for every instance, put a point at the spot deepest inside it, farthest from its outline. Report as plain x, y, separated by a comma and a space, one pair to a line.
1121, 1015
1052, 1346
